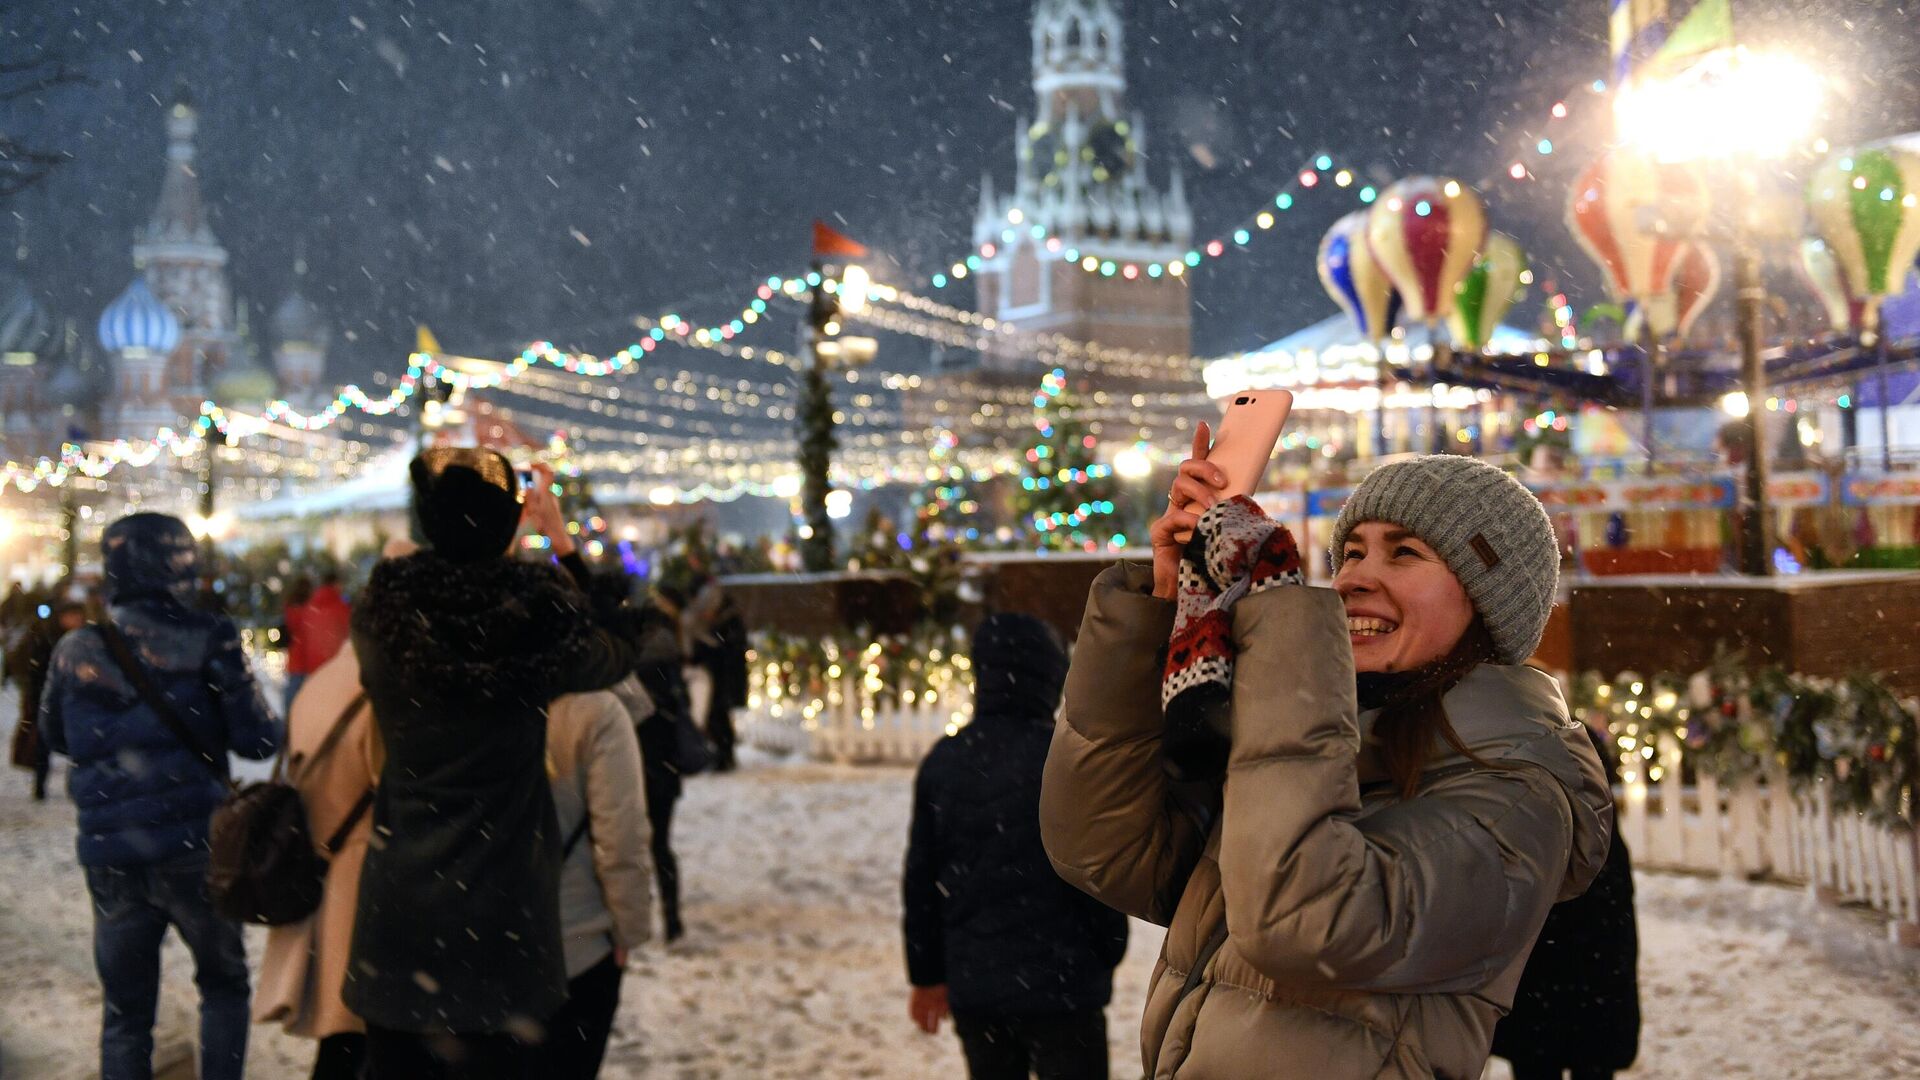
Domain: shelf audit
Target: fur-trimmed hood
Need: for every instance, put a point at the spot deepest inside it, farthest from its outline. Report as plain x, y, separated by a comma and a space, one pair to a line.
473, 630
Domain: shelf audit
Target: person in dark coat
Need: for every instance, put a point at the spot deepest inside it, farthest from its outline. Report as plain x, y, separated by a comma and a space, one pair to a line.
457, 958
720, 646
145, 796
1577, 1010
28, 663
661, 670
1023, 960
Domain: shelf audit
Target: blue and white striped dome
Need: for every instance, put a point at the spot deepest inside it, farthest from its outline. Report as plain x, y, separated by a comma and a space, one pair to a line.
138, 320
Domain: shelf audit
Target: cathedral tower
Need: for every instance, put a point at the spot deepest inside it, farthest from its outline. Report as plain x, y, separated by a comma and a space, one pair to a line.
186, 266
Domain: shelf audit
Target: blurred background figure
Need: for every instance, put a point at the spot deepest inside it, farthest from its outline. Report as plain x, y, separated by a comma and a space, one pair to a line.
317, 622
718, 631
27, 662
668, 738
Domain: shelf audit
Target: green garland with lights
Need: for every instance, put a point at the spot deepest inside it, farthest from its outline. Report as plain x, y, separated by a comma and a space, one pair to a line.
1854, 734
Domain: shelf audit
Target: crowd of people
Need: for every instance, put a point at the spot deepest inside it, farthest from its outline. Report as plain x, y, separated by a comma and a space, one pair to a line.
1379, 844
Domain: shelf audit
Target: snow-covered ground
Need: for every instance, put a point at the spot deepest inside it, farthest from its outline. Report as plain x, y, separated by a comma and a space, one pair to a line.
792, 967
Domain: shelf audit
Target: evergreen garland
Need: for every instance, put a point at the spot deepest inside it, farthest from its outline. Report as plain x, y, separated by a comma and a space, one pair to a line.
817, 444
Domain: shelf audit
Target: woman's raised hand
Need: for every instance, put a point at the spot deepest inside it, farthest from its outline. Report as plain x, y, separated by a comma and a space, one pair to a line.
1196, 487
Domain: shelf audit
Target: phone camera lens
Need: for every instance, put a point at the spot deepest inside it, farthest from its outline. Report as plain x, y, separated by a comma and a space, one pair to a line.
1241, 400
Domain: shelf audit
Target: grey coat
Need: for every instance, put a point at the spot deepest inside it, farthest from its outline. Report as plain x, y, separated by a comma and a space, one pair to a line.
1319, 926
593, 757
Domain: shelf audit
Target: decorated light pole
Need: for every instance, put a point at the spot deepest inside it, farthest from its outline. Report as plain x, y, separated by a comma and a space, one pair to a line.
1733, 109
826, 347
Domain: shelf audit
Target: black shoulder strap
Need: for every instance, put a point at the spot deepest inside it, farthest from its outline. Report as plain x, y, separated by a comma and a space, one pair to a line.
580, 830
136, 674
326, 746
333, 734
353, 818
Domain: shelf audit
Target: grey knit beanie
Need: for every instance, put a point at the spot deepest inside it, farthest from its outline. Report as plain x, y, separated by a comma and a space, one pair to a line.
1492, 533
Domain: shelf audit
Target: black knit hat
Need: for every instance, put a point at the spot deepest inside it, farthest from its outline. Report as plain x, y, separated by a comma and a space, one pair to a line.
1018, 657
467, 500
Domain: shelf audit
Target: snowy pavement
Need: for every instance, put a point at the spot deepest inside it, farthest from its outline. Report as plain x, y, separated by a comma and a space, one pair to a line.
793, 968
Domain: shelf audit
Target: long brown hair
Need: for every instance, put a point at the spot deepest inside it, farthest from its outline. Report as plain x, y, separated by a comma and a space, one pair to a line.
1412, 715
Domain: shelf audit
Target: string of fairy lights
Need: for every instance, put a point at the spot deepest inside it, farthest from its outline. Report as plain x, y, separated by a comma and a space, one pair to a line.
893, 310
1320, 173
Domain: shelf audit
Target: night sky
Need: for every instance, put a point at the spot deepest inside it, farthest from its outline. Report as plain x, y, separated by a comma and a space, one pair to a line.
505, 171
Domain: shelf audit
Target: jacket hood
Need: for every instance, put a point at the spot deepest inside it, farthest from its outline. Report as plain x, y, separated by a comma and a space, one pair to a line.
150, 554
1019, 667
1508, 713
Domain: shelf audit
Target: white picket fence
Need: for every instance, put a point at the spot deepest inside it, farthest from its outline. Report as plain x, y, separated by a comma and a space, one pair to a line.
1763, 828
1757, 828
850, 723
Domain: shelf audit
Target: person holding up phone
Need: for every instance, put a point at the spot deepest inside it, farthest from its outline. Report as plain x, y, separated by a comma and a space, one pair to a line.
1352, 806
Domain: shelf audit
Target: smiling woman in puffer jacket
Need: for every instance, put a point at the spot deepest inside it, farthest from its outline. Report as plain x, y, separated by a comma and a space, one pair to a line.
1352, 807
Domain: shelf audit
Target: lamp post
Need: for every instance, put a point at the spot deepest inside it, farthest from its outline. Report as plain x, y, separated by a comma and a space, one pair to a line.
1734, 110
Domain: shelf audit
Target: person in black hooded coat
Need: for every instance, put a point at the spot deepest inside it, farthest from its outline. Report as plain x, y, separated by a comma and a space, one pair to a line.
457, 958
1023, 960
1577, 1008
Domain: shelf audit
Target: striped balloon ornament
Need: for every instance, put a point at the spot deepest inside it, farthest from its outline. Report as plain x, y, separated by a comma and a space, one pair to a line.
1354, 279
1632, 215
1696, 280
1828, 282
1866, 206
1425, 232
1490, 288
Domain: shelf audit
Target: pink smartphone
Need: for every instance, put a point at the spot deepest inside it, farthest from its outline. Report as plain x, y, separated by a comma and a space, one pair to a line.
1246, 437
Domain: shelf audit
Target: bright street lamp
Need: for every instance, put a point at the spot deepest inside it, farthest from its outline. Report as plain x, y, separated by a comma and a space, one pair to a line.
1735, 109
1132, 464
1735, 103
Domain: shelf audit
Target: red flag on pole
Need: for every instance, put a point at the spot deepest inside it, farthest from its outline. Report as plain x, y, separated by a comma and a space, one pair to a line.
829, 242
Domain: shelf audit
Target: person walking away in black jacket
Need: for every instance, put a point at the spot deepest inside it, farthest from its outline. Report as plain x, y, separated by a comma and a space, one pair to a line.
28, 663
1577, 1010
457, 959
661, 670
1023, 960
720, 646
145, 795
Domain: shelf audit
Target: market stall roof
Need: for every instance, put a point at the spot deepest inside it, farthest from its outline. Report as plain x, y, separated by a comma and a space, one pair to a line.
382, 485
1337, 330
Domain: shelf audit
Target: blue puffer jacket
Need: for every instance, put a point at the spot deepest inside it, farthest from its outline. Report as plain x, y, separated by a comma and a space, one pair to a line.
143, 795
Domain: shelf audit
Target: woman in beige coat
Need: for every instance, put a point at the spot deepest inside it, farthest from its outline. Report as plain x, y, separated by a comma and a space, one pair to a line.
1348, 893
306, 962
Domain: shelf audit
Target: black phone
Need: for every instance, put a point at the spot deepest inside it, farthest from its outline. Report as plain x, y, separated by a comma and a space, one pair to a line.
526, 478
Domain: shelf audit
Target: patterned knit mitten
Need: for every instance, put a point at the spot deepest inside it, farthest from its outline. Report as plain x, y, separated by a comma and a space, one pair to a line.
1236, 551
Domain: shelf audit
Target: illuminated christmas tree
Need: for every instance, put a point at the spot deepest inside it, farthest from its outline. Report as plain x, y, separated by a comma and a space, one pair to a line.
1066, 495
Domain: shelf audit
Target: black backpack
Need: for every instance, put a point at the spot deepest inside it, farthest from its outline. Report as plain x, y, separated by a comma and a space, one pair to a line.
263, 867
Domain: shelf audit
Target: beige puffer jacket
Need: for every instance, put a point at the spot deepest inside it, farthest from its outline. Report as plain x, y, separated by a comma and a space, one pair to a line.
1319, 926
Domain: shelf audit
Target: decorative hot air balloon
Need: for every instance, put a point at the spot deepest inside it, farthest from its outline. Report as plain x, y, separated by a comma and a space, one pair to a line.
1425, 232
1632, 214
1491, 286
1828, 281
1354, 279
1696, 279
1866, 205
